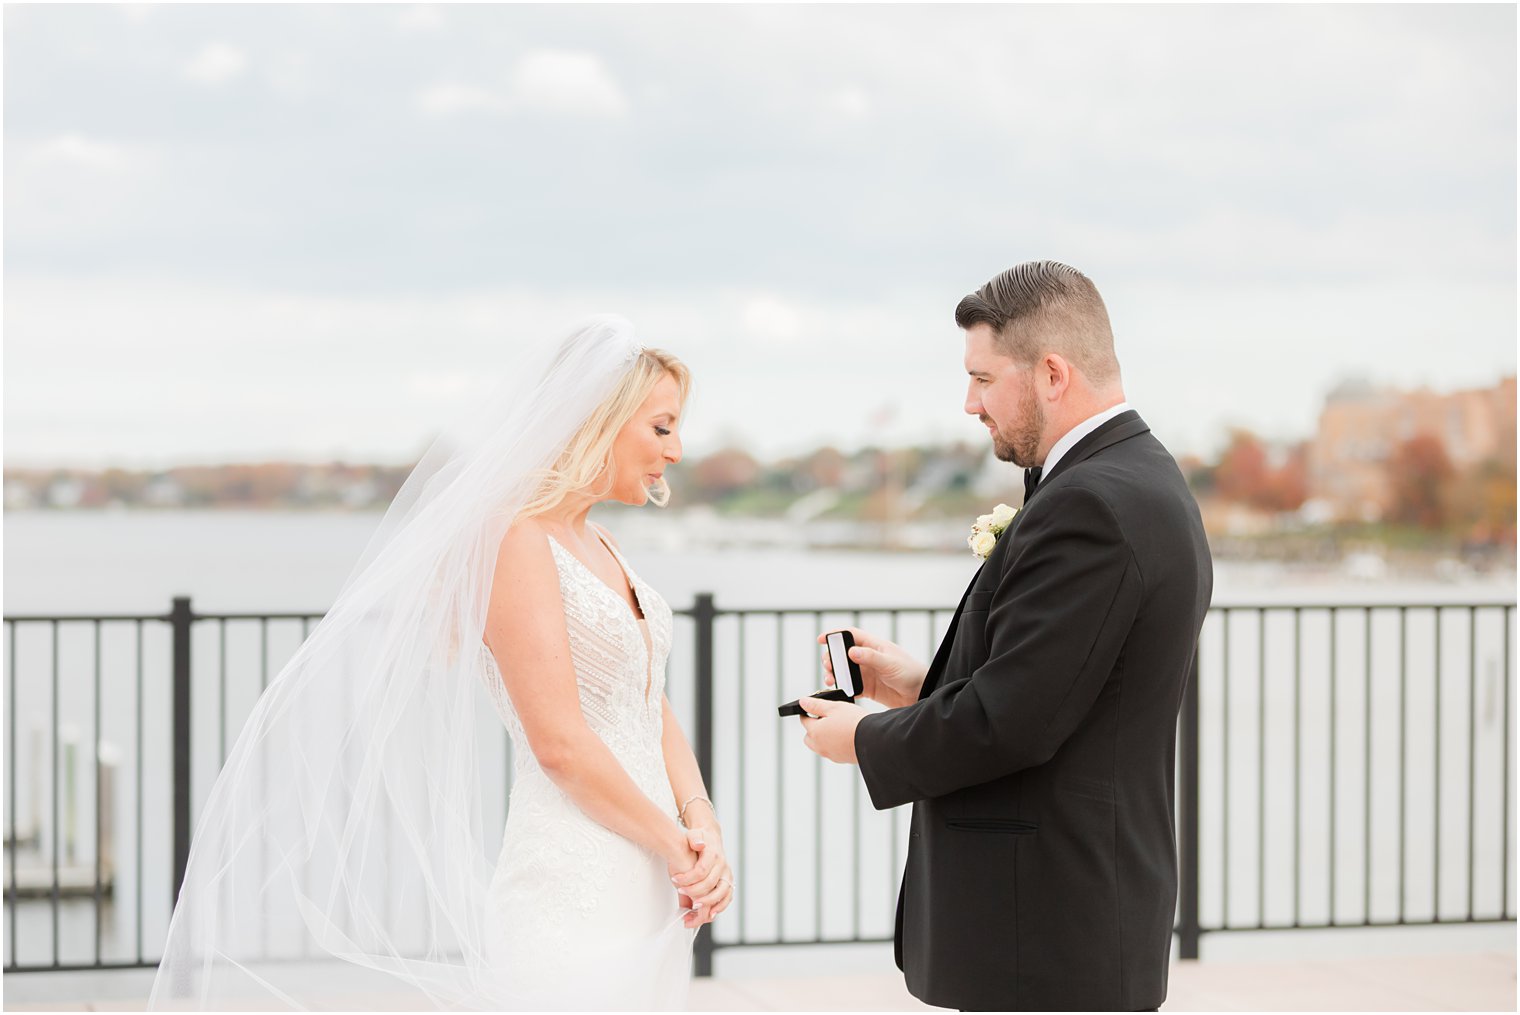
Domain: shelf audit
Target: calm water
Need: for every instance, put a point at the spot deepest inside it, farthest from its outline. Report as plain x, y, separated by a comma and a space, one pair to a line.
1268, 784
77, 562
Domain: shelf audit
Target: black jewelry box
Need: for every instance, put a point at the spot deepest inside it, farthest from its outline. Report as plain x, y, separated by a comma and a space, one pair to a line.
830, 694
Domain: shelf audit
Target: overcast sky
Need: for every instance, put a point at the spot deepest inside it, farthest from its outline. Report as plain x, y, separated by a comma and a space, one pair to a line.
240, 232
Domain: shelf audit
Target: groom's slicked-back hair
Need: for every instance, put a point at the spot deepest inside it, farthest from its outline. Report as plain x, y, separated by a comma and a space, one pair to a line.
1045, 306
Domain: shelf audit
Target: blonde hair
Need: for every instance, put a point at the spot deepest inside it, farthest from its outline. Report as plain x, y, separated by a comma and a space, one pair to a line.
588, 456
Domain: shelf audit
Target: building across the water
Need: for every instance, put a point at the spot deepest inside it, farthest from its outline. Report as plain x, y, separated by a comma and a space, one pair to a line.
1362, 427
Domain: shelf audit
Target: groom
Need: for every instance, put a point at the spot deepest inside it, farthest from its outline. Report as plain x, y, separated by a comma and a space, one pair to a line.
1038, 747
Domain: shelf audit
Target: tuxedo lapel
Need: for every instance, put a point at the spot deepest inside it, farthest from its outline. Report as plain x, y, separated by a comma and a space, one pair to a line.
942, 655
1121, 428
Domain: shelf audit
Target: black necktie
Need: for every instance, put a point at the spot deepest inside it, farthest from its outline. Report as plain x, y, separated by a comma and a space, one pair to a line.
1031, 480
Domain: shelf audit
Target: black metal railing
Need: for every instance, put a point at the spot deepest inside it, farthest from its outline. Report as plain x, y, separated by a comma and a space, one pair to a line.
1390, 718
50, 894
1338, 766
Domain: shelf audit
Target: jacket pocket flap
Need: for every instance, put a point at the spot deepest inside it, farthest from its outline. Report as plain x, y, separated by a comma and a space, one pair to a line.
1008, 826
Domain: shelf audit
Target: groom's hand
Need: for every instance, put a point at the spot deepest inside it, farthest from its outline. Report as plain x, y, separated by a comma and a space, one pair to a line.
889, 674
832, 734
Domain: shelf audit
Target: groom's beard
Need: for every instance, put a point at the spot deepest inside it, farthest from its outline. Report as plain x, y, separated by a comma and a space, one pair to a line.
1023, 443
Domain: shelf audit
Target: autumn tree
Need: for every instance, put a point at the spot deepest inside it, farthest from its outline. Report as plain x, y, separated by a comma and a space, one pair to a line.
726, 471
823, 468
1483, 502
1246, 475
1418, 473
1242, 472
1288, 487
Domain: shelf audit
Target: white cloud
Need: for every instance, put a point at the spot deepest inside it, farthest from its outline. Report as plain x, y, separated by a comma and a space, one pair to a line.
75, 151
770, 320
851, 101
449, 97
216, 63
291, 74
555, 82
71, 191
442, 386
419, 18
561, 81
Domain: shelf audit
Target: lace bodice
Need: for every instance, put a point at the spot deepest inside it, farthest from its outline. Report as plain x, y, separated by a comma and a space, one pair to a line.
620, 676
570, 893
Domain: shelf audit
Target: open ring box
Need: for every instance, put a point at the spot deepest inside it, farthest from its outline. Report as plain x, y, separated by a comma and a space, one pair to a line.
846, 674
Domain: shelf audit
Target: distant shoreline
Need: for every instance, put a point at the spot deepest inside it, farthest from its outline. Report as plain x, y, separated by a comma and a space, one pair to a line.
1304, 558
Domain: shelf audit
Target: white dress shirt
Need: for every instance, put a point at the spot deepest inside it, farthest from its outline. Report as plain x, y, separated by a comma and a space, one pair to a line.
1076, 433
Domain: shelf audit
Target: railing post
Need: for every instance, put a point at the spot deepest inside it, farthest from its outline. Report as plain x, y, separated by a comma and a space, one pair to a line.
180, 619
704, 612
1187, 894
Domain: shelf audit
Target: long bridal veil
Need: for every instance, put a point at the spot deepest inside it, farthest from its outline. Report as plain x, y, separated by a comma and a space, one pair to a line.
340, 856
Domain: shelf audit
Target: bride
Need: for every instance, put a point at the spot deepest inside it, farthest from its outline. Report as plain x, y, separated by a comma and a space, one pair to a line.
341, 854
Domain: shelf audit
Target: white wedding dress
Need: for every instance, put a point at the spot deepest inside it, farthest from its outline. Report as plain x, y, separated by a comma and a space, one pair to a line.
343, 850
589, 918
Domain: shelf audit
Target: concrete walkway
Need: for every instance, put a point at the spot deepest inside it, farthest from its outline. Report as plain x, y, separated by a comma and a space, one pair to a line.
1470, 982
1473, 981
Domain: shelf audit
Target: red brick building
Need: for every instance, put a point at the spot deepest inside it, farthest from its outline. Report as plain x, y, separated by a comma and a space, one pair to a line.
1360, 427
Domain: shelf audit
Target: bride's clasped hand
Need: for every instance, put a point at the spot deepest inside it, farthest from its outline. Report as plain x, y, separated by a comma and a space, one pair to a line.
706, 886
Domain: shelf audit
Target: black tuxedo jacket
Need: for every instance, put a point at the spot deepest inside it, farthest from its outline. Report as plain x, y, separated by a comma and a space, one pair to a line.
1042, 868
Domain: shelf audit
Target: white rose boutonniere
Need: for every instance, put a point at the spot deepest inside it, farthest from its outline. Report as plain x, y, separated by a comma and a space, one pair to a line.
987, 529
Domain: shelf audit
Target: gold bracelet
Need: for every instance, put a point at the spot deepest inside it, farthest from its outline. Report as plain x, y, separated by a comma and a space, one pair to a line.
681, 814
